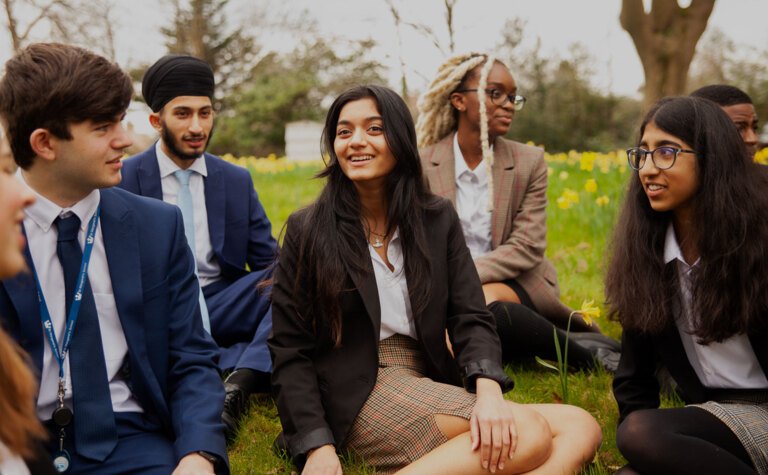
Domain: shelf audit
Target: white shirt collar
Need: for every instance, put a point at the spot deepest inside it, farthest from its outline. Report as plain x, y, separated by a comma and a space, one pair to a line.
460, 165
672, 249
167, 166
44, 212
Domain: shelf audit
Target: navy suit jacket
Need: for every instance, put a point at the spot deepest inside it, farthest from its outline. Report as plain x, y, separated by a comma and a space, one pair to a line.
173, 371
238, 226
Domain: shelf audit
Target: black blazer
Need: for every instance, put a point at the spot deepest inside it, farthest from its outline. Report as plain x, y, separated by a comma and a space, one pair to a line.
635, 385
320, 389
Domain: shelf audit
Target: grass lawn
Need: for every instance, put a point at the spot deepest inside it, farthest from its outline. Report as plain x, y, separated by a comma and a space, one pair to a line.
585, 191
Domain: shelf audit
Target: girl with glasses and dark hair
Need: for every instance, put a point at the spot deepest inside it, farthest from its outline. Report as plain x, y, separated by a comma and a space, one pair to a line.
499, 189
370, 278
689, 283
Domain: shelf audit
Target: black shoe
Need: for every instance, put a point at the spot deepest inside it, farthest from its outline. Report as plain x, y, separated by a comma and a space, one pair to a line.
591, 340
235, 407
608, 359
605, 350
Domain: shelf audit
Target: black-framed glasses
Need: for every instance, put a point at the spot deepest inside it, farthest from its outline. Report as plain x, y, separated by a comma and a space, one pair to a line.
499, 98
663, 157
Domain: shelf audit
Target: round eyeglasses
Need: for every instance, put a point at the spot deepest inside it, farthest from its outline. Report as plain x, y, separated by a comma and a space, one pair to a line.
663, 157
499, 98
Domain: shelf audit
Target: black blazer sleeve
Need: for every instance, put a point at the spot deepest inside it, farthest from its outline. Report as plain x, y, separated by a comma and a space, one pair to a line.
293, 346
470, 325
635, 385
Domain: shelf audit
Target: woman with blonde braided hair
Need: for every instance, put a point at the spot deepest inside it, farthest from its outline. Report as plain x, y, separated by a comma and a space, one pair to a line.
499, 189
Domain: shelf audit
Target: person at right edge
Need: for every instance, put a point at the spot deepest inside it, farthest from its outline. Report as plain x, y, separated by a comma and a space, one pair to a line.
463, 117
687, 279
740, 109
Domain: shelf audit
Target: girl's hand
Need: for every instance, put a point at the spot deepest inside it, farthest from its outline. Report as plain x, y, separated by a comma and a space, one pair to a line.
322, 461
492, 426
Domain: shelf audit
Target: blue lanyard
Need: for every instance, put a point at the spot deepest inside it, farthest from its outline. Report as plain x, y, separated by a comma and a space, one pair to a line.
61, 353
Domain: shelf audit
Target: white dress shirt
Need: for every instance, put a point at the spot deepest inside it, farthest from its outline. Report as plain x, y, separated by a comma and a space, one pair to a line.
10, 463
208, 270
42, 237
396, 314
472, 203
731, 364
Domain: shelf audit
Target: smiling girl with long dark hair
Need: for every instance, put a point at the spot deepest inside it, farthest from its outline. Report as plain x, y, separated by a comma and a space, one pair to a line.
370, 278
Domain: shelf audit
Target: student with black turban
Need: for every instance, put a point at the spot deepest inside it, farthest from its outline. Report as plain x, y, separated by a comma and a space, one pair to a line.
225, 223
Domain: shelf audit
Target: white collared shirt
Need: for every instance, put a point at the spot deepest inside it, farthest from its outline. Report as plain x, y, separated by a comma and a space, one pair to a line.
42, 237
208, 270
10, 463
396, 314
472, 203
731, 364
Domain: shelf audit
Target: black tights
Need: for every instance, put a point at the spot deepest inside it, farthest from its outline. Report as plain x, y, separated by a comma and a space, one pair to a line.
680, 441
525, 334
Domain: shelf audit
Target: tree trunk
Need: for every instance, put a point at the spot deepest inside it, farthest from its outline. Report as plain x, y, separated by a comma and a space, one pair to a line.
665, 39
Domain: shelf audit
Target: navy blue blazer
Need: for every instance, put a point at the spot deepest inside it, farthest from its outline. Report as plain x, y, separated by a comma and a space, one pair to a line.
239, 229
173, 371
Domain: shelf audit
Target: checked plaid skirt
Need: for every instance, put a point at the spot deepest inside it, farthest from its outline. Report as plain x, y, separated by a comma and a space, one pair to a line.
396, 424
748, 419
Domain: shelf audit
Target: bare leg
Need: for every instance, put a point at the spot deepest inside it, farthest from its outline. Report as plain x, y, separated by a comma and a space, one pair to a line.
576, 436
457, 457
496, 291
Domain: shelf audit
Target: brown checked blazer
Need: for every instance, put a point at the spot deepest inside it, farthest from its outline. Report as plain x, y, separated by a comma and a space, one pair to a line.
518, 221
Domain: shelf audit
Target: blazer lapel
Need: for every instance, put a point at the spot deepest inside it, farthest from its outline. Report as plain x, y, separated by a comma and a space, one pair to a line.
503, 188
761, 349
121, 243
441, 171
366, 286
673, 354
149, 175
23, 294
215, 203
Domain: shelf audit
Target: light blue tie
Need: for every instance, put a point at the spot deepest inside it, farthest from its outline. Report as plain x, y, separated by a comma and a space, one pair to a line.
188, 213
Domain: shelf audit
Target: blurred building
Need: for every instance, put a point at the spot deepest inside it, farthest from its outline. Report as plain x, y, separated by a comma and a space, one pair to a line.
302, 140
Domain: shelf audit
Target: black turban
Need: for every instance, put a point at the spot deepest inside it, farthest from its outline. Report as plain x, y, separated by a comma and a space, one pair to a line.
176, 75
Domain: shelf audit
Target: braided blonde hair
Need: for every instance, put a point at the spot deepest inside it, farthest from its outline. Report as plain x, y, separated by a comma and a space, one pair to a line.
436, 114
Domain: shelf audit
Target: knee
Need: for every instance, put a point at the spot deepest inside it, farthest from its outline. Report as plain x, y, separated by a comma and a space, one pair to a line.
578, 436
636, 434
534, 441
585, 429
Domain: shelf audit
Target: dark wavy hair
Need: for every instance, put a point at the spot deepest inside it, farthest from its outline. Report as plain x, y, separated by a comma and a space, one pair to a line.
53, 85
730, 290
333, 239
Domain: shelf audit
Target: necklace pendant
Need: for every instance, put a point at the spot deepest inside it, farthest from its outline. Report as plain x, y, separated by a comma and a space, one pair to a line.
377, 243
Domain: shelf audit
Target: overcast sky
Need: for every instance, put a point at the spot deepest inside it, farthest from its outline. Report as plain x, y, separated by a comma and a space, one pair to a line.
558, 24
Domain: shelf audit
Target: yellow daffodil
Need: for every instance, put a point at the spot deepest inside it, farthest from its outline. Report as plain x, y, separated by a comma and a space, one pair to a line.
762, 156
602, 200
590, 186
589, 311
588, 161
571, 195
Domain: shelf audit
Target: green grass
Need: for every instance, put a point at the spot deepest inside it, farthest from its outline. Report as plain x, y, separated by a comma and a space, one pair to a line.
577, 239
